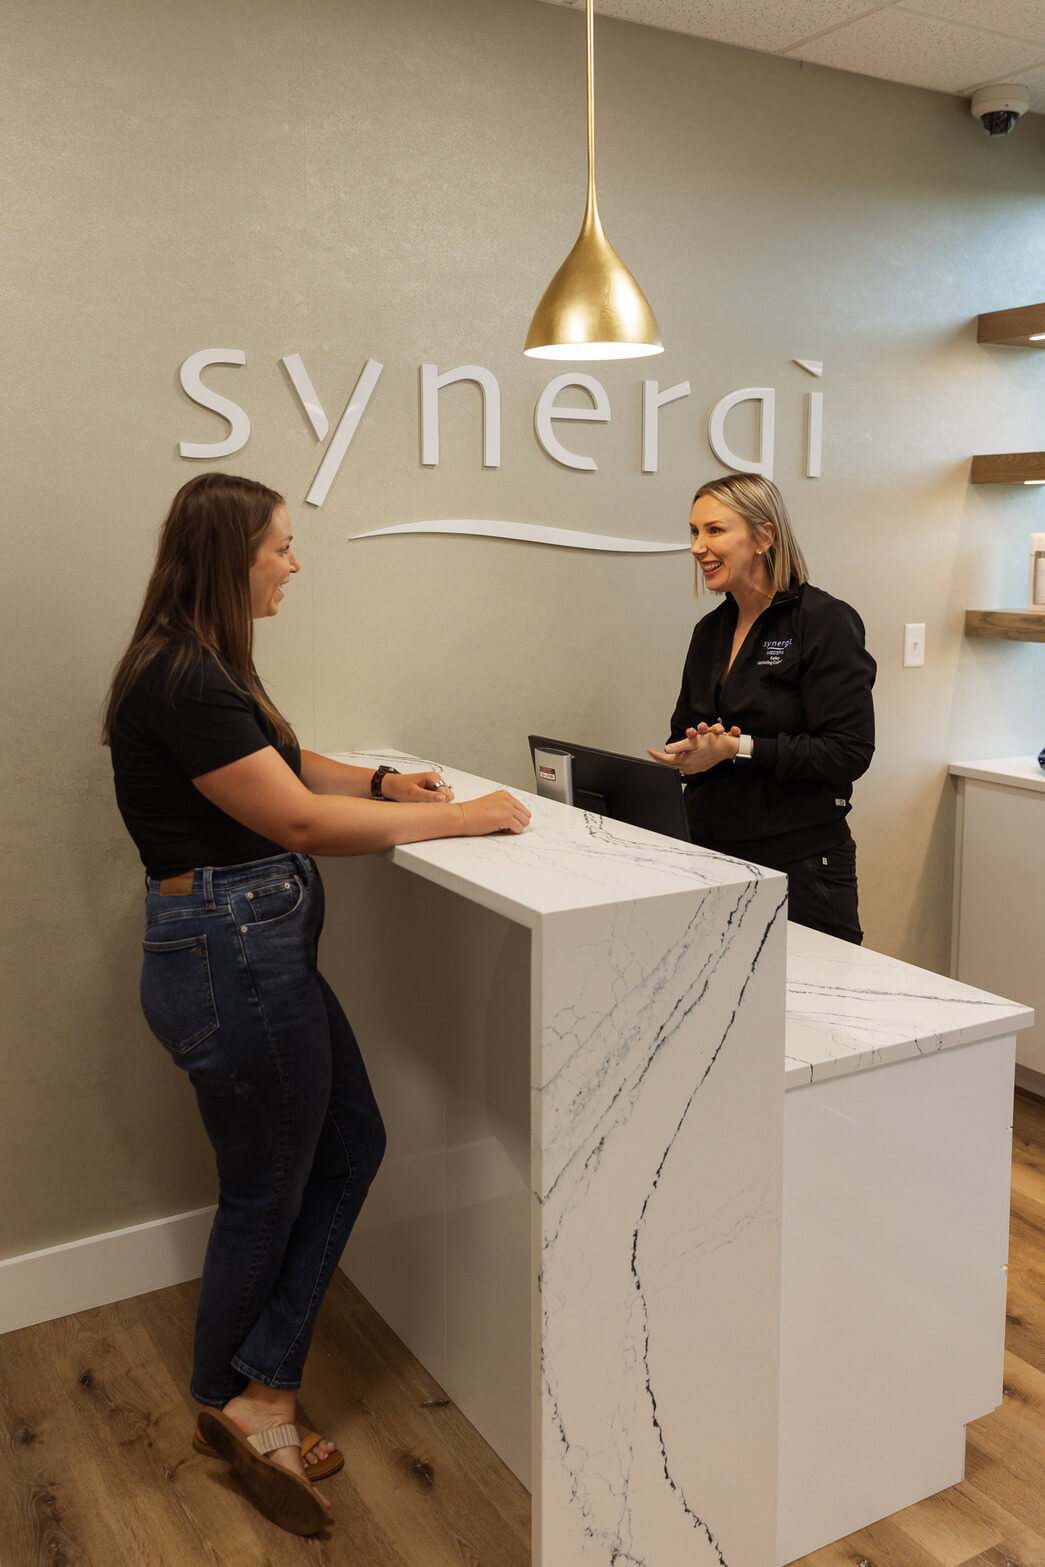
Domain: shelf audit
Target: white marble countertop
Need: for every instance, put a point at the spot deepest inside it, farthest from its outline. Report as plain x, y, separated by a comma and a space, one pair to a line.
566, 859
1020, 772
849, 1009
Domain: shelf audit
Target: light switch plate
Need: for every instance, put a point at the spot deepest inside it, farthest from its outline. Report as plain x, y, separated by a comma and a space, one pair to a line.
914, 645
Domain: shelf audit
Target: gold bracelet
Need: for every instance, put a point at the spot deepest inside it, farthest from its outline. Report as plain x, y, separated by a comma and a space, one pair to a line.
464, 816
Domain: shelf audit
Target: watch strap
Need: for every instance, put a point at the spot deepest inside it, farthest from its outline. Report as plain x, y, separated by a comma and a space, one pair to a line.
376, 781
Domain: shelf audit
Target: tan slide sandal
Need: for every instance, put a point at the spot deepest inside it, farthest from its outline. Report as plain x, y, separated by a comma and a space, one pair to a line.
286, 1499
318, 1471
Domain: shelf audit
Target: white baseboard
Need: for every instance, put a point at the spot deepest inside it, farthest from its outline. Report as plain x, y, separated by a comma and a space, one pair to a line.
42, 1285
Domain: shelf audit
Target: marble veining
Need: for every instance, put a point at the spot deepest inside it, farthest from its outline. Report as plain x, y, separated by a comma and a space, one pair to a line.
596, 1083
565, 859
634, 1224
656, 1149
680, 1483
849, 1009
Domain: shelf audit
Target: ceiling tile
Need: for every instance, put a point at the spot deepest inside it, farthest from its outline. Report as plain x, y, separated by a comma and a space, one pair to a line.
949, 45
1018, 18
769, 25
1035, 80
904, 47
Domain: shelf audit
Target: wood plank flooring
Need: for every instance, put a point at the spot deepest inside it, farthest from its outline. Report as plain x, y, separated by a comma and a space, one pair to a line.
98, 1469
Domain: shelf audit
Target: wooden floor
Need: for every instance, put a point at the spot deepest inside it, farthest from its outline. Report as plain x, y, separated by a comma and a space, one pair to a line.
99, 1472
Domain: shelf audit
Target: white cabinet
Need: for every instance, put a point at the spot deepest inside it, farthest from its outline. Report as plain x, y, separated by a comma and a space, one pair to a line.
998, 931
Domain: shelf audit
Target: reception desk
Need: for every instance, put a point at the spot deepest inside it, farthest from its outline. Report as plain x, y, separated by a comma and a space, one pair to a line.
577, 1036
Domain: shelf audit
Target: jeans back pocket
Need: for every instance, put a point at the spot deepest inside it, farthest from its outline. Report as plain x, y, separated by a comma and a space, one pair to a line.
177, 995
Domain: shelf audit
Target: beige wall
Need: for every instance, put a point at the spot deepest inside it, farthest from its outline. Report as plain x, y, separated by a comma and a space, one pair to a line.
398, 179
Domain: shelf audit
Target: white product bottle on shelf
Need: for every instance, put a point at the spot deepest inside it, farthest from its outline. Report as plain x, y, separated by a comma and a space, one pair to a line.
1036, 589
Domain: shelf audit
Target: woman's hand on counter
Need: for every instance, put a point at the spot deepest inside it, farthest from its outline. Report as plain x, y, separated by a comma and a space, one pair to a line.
497, 812
700, 749
262, 792
416, 788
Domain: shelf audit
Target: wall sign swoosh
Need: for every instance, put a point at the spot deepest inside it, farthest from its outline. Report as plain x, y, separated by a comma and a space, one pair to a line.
530, 533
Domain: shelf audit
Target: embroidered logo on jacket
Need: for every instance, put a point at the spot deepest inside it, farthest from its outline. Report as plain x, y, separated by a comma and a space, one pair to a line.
774, 650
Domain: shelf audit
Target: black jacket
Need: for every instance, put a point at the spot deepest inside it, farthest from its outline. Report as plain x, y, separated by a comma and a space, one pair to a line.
800, 686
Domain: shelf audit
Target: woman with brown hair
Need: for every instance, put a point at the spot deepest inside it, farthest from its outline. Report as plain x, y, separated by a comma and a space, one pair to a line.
227, 811
774, 720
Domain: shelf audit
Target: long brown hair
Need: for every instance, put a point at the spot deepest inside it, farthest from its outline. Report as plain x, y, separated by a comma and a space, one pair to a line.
764, 510
198, 597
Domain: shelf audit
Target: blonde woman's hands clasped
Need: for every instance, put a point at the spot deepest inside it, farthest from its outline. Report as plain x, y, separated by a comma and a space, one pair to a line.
700, 749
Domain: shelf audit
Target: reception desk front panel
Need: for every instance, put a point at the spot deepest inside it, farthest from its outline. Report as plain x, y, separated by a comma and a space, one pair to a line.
576, 1039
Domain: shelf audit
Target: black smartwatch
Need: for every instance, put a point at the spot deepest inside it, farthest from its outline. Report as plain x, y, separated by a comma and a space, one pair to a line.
375, 782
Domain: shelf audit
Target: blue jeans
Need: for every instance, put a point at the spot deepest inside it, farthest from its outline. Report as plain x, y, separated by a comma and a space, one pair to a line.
231, 989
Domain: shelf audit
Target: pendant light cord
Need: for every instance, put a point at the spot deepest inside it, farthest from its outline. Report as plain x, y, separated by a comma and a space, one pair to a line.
593, 308
591, 104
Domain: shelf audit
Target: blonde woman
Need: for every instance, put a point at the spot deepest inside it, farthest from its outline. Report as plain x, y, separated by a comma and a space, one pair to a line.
774, 720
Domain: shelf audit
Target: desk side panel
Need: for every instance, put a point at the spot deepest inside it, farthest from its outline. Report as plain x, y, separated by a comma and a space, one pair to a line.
657, 1146
437, 989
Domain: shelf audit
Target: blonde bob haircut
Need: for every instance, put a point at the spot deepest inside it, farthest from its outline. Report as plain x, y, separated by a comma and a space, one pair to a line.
762, 507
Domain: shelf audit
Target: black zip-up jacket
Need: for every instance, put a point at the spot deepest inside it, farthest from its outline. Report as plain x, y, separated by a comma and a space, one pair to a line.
800, 686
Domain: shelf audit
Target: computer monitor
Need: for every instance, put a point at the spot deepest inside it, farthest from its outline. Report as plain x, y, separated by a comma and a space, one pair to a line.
626, 788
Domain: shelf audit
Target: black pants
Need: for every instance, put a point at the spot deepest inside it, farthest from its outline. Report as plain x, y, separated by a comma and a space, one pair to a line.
821, 892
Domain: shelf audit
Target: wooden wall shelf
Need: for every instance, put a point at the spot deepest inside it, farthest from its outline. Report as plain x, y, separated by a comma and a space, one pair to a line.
1006, 625
1008, 468
1014, 328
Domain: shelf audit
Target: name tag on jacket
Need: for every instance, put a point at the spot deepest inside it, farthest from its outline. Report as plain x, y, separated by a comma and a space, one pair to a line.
773, 650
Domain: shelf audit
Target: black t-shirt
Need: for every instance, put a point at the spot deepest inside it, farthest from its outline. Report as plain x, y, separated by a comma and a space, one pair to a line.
162, 740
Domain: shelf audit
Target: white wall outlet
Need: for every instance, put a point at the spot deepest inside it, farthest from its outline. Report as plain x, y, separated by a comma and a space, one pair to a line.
913, 646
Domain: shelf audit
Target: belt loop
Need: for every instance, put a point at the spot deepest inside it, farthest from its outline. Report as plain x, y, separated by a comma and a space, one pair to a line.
305, 866
208, 886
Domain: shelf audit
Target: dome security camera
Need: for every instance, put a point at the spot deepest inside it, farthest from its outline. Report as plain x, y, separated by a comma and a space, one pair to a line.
1000, 106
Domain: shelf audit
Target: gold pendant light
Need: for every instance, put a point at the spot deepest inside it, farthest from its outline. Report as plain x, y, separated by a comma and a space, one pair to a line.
593, 308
